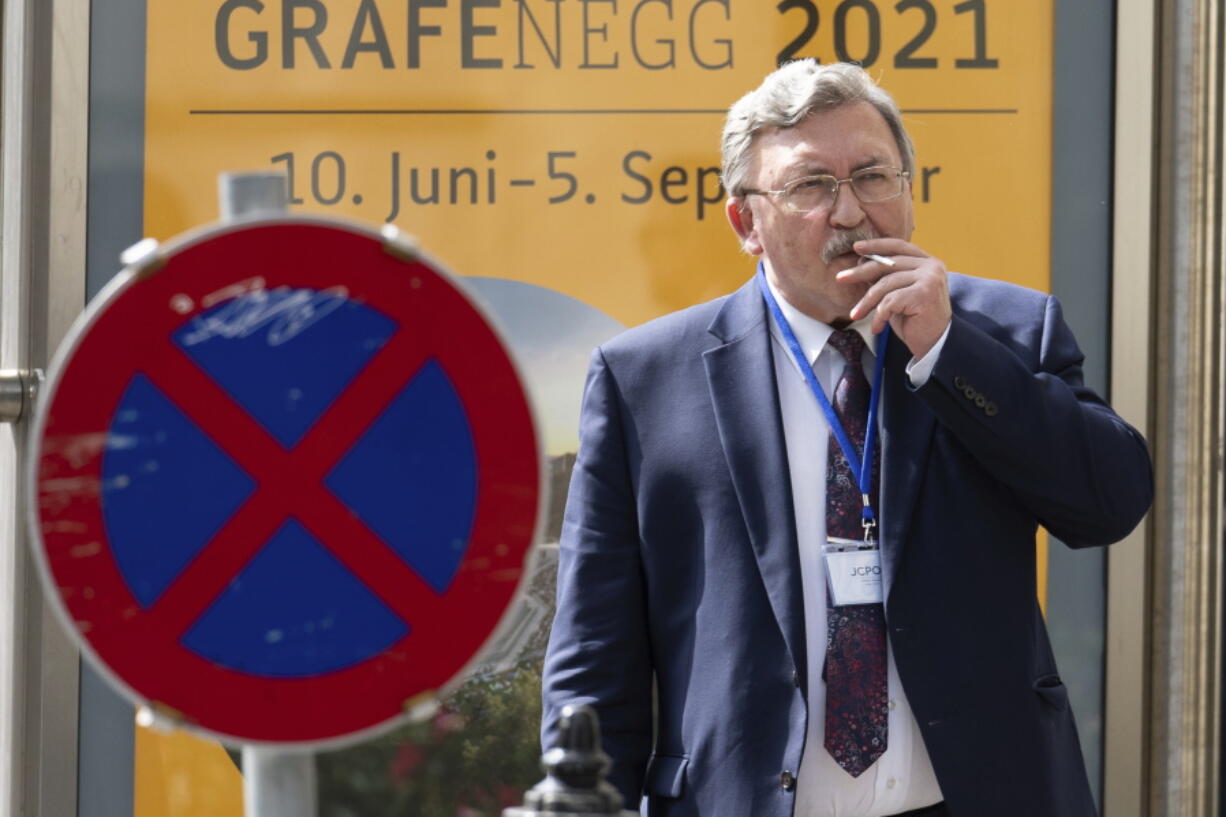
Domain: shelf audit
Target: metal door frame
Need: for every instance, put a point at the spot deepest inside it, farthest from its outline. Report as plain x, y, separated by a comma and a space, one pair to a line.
42, 170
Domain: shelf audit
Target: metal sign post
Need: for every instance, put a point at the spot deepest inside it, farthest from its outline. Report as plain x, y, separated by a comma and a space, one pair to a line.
279, 783
276, 782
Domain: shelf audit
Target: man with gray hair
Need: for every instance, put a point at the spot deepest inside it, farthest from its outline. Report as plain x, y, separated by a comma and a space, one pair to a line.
797, 567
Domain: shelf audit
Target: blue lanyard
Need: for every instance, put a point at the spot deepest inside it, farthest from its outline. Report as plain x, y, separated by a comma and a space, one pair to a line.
862, 473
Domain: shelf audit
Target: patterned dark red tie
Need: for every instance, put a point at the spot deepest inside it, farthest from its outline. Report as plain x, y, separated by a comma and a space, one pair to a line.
857, 698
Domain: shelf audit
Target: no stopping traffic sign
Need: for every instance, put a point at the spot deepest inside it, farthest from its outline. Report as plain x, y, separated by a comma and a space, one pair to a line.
285, 481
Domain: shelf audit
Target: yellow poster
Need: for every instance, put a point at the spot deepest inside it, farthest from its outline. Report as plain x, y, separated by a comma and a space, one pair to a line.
573, 146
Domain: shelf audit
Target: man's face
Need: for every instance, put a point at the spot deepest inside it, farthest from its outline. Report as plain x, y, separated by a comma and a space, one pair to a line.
836, 142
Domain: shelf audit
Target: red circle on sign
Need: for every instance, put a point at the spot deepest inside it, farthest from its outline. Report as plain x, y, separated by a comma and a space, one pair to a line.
129, 333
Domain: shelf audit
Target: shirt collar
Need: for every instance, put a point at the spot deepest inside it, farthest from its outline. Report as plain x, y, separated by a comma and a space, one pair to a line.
811, 333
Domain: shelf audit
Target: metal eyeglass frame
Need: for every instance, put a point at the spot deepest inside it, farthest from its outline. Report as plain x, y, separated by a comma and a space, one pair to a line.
838, 186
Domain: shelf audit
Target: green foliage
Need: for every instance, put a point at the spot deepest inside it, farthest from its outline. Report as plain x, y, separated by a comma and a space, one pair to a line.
476, 756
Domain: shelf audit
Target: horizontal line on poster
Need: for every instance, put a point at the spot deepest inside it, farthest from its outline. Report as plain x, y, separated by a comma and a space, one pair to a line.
523, 111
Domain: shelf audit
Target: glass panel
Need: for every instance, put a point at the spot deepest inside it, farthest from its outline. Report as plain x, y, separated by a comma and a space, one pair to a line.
1081, 252
563, 158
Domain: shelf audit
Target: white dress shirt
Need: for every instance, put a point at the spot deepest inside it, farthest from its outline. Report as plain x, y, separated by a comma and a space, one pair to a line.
902, 778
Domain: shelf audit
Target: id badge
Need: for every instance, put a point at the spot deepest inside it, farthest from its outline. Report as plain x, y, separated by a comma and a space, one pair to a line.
853, 574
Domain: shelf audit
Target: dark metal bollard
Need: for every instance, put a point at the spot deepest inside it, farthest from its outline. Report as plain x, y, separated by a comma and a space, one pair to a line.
574, 781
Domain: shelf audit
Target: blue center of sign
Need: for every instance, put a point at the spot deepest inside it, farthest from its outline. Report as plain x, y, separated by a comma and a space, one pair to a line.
168, 487
326, 620
412, 477
285, 354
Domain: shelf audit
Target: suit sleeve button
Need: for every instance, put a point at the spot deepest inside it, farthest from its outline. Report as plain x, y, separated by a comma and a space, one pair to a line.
959, 383
980, 400
970, 392
787, 780
990, 409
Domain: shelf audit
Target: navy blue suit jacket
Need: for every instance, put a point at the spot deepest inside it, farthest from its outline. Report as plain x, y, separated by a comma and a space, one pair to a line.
680, 613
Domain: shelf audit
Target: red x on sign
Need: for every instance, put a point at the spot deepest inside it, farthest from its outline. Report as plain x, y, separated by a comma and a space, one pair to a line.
287, 483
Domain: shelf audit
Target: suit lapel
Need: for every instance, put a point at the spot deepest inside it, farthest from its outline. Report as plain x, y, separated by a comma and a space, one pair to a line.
741, 377
906, 439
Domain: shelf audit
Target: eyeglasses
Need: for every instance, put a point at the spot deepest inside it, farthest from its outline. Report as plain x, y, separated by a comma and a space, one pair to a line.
870, 184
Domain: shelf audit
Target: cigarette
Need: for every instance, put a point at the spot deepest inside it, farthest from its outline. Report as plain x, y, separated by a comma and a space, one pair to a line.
880, 259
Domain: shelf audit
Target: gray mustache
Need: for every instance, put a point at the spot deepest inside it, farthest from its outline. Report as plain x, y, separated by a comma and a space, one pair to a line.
844, 240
